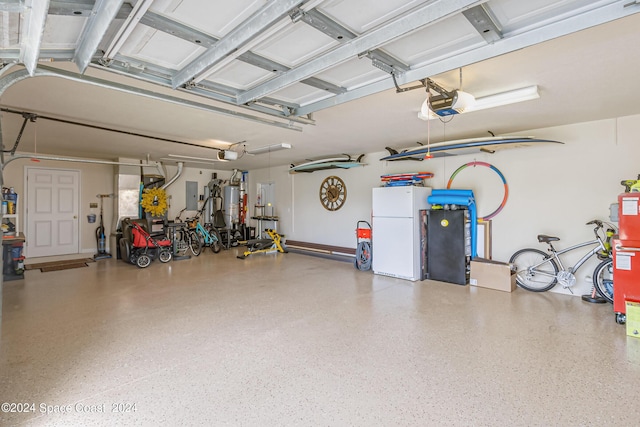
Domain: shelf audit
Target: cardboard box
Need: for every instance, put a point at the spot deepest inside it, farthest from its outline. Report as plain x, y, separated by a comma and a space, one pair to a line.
492, 275
633, 318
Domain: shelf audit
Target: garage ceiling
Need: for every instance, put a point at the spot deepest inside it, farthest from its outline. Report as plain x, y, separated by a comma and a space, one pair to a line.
189, 77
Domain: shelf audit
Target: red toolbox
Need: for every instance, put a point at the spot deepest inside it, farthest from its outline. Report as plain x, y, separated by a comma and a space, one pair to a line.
626, 255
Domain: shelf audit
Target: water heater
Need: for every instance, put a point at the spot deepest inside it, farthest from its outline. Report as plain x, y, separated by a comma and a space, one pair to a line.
231, 205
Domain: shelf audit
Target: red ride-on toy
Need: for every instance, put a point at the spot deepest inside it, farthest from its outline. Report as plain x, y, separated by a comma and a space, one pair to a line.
145, 248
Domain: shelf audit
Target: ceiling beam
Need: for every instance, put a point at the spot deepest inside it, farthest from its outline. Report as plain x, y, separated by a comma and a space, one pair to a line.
13, 55
12, 6
431, 13
162, 76
185, 32
127, 28
94, 30
177, 29
17, 76
35, 15
275, 67
484, 22
567, 25
71, 7
251, 28
82, 8
340, 33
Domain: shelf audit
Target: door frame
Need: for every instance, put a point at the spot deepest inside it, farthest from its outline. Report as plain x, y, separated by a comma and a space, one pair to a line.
78, 194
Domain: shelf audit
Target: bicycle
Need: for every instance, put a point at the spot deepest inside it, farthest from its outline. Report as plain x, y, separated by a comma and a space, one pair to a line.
185, 239
207, 236
537, 271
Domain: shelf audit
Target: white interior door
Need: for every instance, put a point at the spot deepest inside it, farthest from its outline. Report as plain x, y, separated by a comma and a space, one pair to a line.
52, 212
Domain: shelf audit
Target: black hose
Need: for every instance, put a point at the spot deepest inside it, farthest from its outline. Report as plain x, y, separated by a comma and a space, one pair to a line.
363, 255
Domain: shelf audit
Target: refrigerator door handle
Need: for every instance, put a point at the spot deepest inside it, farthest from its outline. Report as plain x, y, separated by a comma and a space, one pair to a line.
626, 248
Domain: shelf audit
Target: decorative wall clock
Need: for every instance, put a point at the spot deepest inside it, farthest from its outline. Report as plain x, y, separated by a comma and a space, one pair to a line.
333, 193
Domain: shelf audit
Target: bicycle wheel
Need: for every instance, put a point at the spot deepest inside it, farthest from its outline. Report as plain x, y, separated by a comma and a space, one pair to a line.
216, 245
535, 270
603, 279
194, 243
202, 240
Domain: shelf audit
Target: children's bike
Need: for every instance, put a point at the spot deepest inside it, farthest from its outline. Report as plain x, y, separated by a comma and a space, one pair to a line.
207, 235
538, 271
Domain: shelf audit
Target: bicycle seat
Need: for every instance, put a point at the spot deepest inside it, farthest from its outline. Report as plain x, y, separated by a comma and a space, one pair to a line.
543, 238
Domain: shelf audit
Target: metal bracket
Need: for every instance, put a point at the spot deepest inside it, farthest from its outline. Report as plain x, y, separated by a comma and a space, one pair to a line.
431, 85
28, 117
296, 15
383, 66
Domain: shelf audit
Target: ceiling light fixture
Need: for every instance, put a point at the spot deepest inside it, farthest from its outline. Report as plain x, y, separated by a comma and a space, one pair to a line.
209, 162
505, 98
270, 148
221, 156
490, 101
179, 156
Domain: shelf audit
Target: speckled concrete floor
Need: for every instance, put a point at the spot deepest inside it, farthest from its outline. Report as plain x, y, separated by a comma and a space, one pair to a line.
289, 339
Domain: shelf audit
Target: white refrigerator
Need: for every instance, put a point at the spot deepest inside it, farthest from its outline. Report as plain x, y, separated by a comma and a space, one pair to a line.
396, 230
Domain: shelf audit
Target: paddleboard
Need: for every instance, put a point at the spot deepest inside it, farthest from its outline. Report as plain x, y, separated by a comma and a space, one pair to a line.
404, 176
404, 179
345, 162
466, 146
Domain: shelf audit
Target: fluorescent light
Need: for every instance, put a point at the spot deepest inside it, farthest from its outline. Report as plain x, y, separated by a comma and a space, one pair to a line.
499, 99
210, 162
178, 156
270, 148
506, 98
221, 156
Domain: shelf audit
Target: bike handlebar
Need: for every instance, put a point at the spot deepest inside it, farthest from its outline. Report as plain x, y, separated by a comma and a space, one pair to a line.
600, 224
178, 219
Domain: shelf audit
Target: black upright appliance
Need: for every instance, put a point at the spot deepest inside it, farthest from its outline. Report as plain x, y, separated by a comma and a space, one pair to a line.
101, 237
446, 246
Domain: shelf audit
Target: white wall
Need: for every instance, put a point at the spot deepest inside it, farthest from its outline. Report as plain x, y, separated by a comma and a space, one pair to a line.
99, 179
553, 189
176, 192
94, 179
283, 205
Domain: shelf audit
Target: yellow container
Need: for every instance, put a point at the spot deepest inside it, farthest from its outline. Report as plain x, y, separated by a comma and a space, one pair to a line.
633, 318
